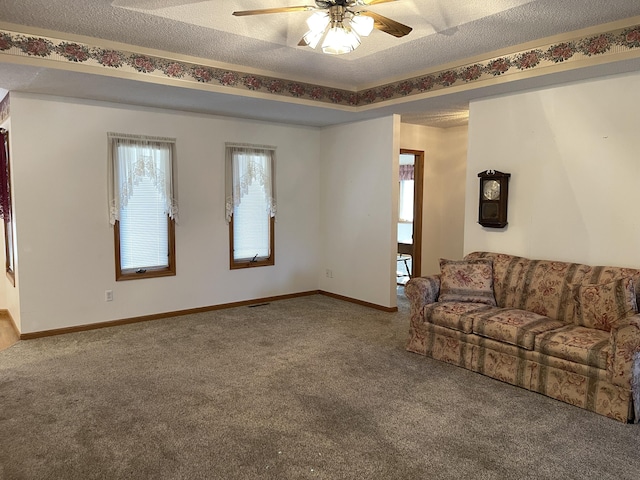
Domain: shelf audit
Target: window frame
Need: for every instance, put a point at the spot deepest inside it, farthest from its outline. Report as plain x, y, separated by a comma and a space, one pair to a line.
265, 262
10, 258
230, 150
123, 274
149, 272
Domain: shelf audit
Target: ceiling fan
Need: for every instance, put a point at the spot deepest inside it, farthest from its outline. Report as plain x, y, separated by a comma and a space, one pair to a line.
340, 22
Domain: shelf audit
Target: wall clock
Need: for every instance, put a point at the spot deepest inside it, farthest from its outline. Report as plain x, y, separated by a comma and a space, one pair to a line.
494, 194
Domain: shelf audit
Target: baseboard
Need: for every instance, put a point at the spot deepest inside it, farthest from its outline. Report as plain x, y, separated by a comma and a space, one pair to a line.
359, 302
159, 316
189, 311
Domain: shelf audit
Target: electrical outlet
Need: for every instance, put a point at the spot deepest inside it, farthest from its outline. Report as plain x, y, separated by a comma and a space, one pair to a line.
329, 273
108, 295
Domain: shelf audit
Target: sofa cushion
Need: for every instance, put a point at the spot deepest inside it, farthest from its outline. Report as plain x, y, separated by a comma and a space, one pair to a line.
575, 343
546, 288
540, 286
454, 315
608, 274
466, 281
517, 327
602, 305
507, 272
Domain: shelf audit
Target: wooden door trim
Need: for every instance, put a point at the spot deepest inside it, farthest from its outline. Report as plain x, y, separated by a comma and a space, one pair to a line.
418, 195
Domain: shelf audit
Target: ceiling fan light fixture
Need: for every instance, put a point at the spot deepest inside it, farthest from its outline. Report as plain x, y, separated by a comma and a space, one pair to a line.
313, 38
339, 22
339, 40
362, 24
318, 22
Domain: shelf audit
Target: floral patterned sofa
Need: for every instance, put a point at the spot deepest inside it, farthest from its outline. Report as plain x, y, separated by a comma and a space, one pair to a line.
566, 330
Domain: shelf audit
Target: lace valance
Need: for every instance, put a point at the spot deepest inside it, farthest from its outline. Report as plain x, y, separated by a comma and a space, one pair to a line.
245, 165
132, 158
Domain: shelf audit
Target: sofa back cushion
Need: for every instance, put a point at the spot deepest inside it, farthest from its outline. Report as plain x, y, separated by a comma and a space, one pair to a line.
546, 287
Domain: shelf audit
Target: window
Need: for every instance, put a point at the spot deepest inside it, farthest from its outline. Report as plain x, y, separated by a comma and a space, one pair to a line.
6, 211
250, 204
143, 206
406, 193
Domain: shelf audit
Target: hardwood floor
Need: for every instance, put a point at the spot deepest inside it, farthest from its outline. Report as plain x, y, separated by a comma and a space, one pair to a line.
8, 335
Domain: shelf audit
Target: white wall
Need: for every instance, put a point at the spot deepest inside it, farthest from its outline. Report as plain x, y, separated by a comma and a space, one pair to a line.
445, 152
573, 155
359, 213
65, 243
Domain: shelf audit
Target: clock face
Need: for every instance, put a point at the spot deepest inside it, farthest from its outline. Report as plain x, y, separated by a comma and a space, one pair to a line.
491, 190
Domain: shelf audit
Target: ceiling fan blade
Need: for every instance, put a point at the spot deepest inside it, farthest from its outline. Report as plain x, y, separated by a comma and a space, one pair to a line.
375, 2
387, 25
151, 4
301, 8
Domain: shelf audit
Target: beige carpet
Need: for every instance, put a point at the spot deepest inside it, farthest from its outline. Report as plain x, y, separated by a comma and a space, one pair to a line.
304, 388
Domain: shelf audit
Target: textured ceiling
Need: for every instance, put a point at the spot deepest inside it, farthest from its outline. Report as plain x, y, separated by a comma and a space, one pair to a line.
285, 30
445, 32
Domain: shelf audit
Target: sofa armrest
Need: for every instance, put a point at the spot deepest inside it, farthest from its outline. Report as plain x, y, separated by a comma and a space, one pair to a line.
625, 351
421, 291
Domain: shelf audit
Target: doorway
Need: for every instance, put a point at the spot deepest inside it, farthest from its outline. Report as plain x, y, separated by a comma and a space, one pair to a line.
409, 253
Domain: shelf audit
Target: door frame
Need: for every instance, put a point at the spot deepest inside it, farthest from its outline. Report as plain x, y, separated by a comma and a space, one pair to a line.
418, 195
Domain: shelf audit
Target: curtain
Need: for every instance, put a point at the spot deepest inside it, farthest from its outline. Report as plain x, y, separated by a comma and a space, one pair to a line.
246, 165
5, 180
406, 172
132, 158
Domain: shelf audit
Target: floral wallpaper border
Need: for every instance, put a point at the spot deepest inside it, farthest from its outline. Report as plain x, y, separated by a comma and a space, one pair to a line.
610, 43
607, 43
